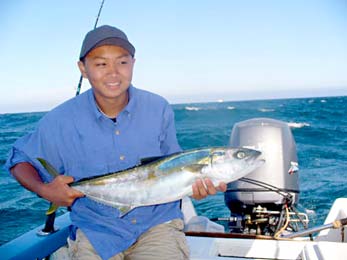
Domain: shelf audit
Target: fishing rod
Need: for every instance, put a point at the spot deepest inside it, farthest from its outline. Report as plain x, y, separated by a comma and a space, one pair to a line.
340, 223
49, 224
96, 23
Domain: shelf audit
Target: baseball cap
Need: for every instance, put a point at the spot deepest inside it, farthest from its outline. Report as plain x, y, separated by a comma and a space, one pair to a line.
105, 35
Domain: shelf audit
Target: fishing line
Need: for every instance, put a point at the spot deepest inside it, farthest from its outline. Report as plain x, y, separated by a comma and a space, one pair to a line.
286, 195
96, 23
288, 199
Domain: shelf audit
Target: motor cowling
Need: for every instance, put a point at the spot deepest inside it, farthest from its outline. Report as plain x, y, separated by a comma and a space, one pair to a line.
277, 181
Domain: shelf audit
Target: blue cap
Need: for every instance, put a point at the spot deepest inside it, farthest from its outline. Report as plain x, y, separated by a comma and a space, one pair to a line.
105, 35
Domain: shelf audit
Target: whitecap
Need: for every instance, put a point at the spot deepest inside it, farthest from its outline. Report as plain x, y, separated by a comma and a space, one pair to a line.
231, 107
311, 213
189, 108
7, 181
266, 109
297, 125
323, 101
22, 200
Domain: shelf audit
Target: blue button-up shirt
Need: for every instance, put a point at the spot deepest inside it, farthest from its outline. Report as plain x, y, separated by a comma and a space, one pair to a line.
78, 140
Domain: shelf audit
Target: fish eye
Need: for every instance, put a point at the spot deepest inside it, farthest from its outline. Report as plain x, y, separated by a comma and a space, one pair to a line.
240, 155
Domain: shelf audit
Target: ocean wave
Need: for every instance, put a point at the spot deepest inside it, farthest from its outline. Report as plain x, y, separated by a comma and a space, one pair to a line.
320, 152
266, 109
7, 180
297, 125
22, 200
191, 108
310, 211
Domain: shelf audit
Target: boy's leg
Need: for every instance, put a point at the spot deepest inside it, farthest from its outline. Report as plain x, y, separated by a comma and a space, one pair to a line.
82, 249
164, 241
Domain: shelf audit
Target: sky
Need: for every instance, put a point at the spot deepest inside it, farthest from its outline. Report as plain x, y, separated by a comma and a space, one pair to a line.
186, 51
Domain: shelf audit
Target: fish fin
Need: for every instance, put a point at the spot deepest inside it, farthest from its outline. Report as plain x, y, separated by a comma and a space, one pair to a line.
50, 169
124, 210
194, 167
52, 208
147, 160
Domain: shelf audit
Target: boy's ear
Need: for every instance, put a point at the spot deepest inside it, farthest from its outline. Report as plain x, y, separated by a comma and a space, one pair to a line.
82, 68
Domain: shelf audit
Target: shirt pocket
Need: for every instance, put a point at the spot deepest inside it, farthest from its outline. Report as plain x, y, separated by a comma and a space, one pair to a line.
90, 162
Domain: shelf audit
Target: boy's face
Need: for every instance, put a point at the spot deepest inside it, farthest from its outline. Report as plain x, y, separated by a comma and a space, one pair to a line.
109, 70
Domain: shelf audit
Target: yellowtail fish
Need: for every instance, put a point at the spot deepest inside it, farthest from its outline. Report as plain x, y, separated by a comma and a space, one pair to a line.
166, 179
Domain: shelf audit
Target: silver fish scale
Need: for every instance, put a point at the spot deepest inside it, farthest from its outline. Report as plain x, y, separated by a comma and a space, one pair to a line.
167, 179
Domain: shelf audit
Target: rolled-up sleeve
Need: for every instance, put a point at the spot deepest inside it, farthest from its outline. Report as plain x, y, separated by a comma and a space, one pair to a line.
38, 144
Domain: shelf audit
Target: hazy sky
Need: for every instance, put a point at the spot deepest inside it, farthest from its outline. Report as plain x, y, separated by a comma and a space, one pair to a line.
186, 50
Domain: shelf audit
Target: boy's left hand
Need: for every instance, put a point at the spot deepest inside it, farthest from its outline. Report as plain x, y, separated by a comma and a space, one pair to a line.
201, 191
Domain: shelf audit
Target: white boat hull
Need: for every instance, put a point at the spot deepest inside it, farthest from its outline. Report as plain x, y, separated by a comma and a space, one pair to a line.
327, 245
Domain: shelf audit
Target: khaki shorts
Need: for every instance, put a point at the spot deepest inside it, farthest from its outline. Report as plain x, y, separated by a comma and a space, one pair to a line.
164, 241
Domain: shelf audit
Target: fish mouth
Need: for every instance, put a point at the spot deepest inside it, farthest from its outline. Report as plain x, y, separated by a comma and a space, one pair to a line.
255, 159
253, 154
258, 162
256, 153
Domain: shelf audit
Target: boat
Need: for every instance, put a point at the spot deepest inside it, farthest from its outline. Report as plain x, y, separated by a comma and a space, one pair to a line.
328, 244
264, 221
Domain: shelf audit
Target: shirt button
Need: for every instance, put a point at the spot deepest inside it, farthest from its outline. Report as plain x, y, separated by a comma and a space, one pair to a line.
122, 157
133, 221
117, 132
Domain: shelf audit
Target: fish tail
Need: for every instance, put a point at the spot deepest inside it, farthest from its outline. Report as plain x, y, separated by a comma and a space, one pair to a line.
52, 171
52, 208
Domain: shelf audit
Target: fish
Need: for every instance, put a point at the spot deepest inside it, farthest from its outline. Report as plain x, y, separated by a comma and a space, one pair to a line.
166, 179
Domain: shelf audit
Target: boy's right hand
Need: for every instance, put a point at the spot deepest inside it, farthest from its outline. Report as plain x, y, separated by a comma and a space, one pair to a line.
59, 192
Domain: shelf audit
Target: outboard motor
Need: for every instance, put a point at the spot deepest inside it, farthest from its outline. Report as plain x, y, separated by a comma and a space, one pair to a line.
263, 201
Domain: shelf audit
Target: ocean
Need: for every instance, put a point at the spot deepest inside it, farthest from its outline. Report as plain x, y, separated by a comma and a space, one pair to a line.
319, 126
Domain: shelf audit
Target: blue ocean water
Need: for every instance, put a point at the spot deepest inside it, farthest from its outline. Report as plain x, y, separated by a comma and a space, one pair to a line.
319, 126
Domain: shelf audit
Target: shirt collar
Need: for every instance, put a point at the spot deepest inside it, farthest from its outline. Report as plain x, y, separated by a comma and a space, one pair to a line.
93, 104
129, 108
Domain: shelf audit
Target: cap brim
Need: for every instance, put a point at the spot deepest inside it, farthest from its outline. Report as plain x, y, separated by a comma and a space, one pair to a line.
112, 41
